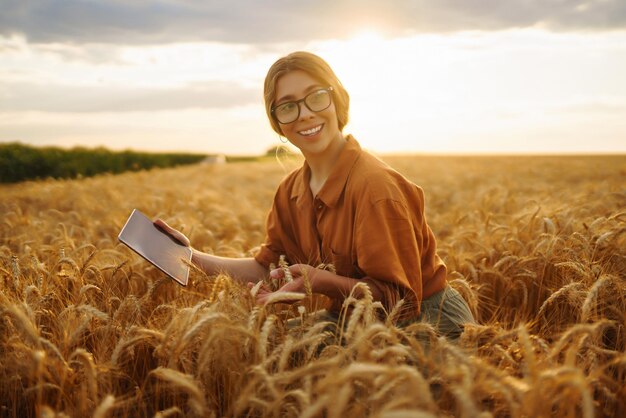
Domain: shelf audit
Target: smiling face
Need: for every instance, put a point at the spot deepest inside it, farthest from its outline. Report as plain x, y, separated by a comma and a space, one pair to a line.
314, 133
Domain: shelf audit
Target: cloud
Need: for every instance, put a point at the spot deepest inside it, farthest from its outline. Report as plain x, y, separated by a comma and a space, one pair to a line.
16, 97
251, 21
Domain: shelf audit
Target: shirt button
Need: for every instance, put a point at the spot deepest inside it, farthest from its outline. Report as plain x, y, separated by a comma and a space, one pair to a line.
319, 207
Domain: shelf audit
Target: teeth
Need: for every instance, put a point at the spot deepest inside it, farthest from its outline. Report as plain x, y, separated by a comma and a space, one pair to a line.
311, 131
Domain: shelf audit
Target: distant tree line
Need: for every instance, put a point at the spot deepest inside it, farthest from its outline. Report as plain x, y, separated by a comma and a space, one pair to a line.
22, 162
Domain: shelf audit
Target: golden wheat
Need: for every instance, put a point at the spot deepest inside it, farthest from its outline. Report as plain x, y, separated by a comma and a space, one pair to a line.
534, 245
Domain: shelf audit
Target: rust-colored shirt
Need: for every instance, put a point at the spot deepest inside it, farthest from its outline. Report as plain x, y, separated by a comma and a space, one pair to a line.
367, 220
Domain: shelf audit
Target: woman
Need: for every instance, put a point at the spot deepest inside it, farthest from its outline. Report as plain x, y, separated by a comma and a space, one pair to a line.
343, 206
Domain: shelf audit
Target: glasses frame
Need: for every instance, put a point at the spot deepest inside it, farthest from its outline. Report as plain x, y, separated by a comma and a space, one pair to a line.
328, 90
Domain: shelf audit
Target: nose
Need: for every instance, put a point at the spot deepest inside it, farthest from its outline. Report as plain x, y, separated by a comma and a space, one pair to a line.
305, 112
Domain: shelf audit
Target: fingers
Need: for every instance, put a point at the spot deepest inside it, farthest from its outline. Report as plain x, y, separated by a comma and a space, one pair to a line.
177, 235
163, 225
258, 288
277, 273
295, 270
288, 293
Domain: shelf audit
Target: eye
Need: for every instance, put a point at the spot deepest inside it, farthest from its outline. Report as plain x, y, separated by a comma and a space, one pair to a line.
286, 107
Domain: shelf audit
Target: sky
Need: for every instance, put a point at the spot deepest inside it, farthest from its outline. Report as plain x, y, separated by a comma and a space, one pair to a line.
424, 76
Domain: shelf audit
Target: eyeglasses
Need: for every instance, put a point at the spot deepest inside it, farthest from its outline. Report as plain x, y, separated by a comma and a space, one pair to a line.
316, 101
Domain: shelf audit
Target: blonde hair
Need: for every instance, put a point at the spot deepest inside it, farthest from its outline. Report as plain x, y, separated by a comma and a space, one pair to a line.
317, 68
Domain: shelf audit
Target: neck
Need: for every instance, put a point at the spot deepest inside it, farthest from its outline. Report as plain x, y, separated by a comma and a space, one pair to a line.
322, 164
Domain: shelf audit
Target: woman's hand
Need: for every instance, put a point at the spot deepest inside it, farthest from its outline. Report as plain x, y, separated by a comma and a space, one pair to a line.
241, 269
296, 285
177, 235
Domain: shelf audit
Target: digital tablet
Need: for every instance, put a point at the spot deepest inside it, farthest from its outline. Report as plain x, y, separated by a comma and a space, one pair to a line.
149, 241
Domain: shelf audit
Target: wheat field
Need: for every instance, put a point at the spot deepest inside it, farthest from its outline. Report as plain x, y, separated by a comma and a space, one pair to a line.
537, 245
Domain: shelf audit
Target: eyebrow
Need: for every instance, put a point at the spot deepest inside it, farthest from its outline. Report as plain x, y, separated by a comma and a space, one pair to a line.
291, 97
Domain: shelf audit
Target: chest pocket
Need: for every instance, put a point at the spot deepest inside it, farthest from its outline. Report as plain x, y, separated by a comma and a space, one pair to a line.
343, 264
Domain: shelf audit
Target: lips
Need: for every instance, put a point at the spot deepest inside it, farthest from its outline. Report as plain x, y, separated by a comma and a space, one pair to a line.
311, 131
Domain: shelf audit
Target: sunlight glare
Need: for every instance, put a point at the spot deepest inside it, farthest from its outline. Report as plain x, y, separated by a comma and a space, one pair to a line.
434, 93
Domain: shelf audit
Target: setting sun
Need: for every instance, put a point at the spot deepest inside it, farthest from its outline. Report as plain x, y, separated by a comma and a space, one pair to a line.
474, 92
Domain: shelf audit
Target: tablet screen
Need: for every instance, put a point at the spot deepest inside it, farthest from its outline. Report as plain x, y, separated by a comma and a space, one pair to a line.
147, 240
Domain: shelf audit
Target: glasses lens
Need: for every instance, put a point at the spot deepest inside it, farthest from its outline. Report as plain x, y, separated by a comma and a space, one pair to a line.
286, 112
318, 100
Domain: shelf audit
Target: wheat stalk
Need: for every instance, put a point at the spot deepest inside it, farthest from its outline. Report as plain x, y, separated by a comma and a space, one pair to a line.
174, 410
263, 341
282, 263
185, 382
284, 296
557, 295
86, 359
592, 295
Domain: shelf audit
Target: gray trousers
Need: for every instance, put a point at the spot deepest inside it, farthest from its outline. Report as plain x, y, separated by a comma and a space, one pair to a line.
446, 311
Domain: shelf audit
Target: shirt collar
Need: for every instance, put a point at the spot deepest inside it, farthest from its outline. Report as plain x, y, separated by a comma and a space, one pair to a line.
335, 183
